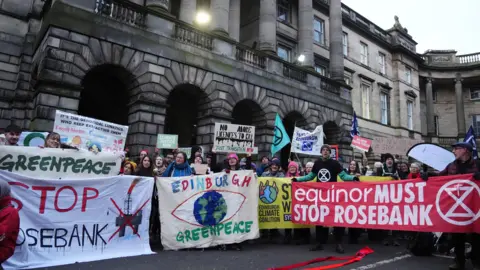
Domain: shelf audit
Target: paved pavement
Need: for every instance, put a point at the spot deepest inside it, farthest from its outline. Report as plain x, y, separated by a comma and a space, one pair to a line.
262, 256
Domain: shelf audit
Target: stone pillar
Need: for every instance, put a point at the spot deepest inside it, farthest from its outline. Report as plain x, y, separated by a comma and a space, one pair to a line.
220, 10
336, 41
430, 116
188, 10
163, 5
234, 20
305, 32
268, 26
460, 106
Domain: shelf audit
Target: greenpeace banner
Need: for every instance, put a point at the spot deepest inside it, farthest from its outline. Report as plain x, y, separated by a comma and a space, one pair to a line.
306, 142
208, 210
89, 133
69, 221
443, 204
275, 204
55, 163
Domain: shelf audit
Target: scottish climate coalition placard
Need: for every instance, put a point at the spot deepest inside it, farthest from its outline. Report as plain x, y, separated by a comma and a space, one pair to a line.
69, 221
208, 210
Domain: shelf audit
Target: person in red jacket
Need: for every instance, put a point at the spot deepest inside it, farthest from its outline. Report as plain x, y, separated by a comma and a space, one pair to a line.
414, 171
9, 223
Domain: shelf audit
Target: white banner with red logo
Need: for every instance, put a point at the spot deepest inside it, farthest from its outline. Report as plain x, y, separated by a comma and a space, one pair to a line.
69, 221
361, 144
443, 204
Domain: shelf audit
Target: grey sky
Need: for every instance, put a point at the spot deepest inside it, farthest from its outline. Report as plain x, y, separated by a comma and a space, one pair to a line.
434, 24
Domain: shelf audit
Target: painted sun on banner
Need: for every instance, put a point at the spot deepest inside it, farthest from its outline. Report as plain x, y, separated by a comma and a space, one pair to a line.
208, 210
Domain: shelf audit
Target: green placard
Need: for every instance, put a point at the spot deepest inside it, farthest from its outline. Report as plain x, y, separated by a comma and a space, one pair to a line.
167, 141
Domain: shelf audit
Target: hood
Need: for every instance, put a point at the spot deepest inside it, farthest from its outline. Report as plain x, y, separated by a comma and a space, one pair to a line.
5, 201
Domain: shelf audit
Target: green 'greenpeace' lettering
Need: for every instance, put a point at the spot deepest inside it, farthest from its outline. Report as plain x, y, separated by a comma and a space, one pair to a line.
55, 164
205, 232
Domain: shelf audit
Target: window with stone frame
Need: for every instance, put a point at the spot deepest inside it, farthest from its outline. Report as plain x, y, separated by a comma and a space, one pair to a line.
382, 62
284, 52
319, 30
365, 95
408, 75
364, 53
348, 78
410, 114
476, 124
284, 10
475, 93
436, 124
345, 44
322, 70
384, 107
434, 94
203, 5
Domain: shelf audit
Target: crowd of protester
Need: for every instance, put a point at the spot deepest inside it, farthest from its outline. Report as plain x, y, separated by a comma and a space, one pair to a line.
177, 164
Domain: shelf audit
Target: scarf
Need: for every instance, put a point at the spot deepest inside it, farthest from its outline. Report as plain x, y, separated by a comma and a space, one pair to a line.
178, 170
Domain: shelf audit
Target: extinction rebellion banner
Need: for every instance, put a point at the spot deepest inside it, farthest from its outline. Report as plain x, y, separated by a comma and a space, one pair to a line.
69, 221
443, 204
53, 163
208, 210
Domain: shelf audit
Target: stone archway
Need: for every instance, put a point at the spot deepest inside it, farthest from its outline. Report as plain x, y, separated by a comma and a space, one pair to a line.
290, 121
185, 104
332, 133
105, 94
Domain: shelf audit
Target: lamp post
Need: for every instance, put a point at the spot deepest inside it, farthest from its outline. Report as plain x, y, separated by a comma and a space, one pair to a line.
202, 17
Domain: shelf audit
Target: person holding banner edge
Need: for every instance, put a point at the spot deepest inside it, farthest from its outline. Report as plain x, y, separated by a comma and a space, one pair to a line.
9, 223
464, 163
326, 170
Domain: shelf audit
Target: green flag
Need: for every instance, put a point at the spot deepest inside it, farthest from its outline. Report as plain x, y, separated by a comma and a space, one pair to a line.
280, 136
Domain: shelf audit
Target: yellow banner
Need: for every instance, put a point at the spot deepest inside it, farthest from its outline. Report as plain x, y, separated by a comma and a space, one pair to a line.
275, 201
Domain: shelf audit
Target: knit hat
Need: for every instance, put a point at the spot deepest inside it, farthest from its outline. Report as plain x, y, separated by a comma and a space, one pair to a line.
293, 164
309, 164
388, 155
232, 155
275, 161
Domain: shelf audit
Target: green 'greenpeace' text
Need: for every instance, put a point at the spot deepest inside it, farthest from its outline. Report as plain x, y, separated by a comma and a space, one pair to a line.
205, 232
55, 164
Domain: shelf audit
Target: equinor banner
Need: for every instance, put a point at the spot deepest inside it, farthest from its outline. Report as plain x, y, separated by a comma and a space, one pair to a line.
208, 210
443, 204
54, 163
69, 221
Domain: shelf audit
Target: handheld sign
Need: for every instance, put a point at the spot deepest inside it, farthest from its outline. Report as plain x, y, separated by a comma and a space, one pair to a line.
433, 155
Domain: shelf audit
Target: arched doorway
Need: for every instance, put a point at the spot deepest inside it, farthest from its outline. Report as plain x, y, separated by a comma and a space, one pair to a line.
290, 121
105, 94
332, 133
185, 104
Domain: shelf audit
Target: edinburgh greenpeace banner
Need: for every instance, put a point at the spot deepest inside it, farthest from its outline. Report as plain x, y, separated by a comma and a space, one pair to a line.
447, 204
208, 210
69, 221
55, 163
275, 203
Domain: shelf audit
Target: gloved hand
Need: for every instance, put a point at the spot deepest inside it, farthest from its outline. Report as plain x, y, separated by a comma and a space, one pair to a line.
424, 176
294, 179
476, 176
356, 179
227, 171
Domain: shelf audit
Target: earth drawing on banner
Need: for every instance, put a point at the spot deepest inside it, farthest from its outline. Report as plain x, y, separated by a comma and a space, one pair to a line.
210, 208
268, 193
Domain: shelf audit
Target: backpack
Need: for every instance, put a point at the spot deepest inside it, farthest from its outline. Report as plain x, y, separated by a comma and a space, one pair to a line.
422, 244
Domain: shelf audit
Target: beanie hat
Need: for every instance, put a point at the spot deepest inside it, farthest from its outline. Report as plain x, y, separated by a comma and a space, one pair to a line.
144, 150
275, 161
388, 155
293, 164
232, 155
309, 164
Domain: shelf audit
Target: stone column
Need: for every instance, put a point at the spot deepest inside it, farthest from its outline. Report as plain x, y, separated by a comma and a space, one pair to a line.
336, 40
460, 106
163, 5
430, 116
220, 10
188, 9
234, 20
268, 26
305, 32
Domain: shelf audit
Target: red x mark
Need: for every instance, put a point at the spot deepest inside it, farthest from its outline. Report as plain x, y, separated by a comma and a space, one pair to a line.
128, 220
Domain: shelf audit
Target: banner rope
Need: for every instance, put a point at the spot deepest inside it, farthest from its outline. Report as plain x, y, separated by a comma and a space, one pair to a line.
348, 260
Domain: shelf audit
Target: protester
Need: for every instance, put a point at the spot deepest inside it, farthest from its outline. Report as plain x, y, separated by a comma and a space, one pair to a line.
463, 164
327, 170
274, 170
52, 140
377, 169
143, 153
199, 161
403, 170
159, 166
169, 158
300, 236
389, 167
12, 134
308, 167
414, 171
264, 164
129, 167
9, 223
145, 167
196, 152
354, 233
179, 167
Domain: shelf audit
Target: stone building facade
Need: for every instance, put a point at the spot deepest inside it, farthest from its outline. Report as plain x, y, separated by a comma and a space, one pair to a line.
149, 65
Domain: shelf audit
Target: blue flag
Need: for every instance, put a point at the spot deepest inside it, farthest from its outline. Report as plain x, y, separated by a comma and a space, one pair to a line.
471, 139
354, 130
280, 136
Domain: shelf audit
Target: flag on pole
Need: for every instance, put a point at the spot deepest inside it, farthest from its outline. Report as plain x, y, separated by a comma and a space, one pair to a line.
471, 139
354, 130
280, 136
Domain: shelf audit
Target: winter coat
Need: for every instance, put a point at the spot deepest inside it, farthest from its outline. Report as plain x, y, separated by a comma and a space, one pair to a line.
9, 227
178, 170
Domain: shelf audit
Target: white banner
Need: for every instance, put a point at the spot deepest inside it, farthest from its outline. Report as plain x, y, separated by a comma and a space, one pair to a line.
69, 221
208, 210
55, 163
231, 138
88, 133
28, 138
306, 142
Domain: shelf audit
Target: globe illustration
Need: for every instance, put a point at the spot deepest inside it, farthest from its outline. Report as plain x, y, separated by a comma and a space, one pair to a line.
210, 208
269, 195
